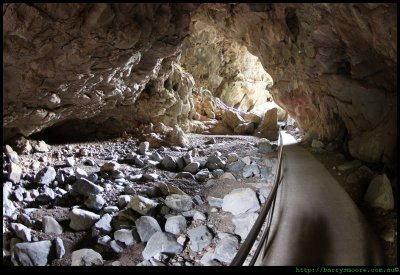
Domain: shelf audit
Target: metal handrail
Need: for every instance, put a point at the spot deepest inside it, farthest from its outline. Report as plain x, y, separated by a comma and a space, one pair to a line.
244, 250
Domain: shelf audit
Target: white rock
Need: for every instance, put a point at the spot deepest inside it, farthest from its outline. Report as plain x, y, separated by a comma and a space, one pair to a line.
31, 254
144, 147
41, 147
50, 225
161, 242
22, 232
379, 193
200, 237
240, 201
116, 247
70, 161
125, 236
104, 224
147, 226
82, 219
14, 173
86, 257
60, 250
226, 249
142, 205
176, 225
179, 202
123, 200
243, 224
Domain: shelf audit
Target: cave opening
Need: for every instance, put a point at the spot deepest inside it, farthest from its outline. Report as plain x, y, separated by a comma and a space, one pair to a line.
230, 77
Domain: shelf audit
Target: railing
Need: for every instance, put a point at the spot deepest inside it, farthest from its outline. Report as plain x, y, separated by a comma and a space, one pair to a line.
268, 208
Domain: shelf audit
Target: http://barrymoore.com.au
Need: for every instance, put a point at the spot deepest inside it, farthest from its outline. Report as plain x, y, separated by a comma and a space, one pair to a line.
341, 270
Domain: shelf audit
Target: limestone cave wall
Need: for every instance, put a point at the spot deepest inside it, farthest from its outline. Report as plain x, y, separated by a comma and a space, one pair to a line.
333, 65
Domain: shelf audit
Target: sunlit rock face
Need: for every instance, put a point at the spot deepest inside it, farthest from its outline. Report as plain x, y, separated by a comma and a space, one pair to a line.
226, 68
69, 62
333, 66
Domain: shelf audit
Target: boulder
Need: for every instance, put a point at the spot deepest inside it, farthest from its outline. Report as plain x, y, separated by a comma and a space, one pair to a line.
146, 226
176, 225
82, 219
226, 249
240, 201
125, 236
31, 254
86, 257
243, 224
200, 237
50, 225
179, 202
268, 127
14, 172
142, 205
379, 193
161, 242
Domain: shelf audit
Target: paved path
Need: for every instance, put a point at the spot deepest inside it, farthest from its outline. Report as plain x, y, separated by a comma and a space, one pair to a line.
315, 221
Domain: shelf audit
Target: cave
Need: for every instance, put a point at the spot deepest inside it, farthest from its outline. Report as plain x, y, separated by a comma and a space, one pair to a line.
129, 125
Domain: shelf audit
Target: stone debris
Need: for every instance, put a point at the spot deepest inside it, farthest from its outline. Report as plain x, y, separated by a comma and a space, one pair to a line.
22, 232
243, 224
86, 187
202, 175
82, 219
379, 193
317, 143
115, 245
192, 167
60, 250
161, 242
146, 227
31, 254
169, 163
125, 236
110, 166
176, 225
86, 257
215, 202
14, 173
95, 202
103, 226
350, 165
264, 146
241, 200
226, 249
142, 205
41, 147
70, 161
179, 202
50, 225
200, 237
144, 147
129, 200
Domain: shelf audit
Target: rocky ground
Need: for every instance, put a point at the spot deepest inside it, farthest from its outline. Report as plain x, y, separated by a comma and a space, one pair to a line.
121, 202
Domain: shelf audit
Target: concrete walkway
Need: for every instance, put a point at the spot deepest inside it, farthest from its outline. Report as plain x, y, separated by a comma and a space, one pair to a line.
315, 221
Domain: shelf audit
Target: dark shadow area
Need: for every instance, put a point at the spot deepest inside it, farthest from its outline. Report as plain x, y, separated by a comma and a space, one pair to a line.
75, 131
312, 242
292, 22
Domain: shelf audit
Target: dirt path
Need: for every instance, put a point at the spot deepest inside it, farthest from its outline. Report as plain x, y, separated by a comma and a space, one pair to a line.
316, 222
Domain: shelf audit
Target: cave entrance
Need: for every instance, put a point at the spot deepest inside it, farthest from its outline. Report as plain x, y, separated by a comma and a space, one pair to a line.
225, 71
